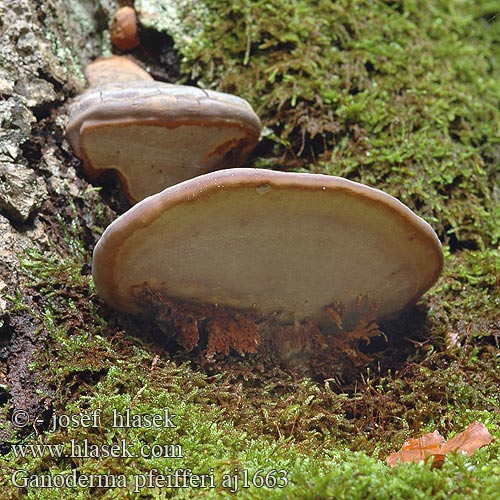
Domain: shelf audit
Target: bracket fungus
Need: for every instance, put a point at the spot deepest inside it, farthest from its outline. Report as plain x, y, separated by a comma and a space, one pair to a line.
156, 134
290, 247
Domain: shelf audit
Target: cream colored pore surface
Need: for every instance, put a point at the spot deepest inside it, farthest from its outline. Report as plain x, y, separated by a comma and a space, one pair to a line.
287, 251
152, 158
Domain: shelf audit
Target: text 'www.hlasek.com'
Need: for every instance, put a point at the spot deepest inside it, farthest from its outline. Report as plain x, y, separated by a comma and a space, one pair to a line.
99, 445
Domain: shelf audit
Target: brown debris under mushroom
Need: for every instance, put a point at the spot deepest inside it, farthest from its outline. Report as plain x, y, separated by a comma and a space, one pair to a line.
226, 328
348, 342
299, 345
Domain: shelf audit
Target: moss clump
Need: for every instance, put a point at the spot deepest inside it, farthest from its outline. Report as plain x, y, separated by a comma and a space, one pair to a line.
465, 306
401, 95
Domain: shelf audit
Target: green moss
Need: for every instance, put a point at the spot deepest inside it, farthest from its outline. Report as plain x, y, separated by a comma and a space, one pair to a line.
403, 96
466, 299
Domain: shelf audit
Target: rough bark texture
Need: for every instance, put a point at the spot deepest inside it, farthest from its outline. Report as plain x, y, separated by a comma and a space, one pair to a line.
43, 44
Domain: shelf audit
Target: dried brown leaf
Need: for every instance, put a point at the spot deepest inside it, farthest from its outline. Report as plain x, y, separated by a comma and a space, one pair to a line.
474, 437
417, 449
433, 445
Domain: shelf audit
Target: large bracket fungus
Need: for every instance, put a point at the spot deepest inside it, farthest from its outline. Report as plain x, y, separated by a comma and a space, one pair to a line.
156, 134
292, 247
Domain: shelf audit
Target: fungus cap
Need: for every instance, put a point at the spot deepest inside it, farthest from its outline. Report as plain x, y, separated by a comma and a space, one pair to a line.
156, 134
114, 70
282, 244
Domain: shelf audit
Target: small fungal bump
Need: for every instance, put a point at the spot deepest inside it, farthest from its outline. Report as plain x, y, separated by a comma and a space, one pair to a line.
124, 29
263, 188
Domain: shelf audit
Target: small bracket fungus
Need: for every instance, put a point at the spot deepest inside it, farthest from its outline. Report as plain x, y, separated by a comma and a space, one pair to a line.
292, 247
156, 134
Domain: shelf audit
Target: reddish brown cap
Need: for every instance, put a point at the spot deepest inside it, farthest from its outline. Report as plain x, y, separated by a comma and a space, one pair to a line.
283, 244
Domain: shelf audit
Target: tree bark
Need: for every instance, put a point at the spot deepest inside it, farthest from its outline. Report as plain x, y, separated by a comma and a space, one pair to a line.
43, 45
